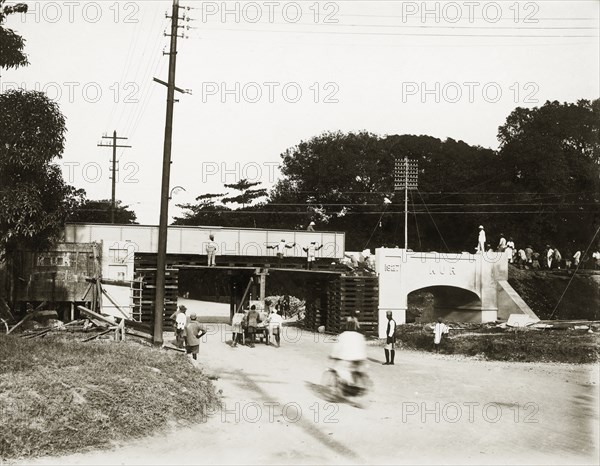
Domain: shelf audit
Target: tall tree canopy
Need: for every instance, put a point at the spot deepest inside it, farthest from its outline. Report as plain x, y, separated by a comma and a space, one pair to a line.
34, 199
542, 186
550, 159
99, 211
11, 44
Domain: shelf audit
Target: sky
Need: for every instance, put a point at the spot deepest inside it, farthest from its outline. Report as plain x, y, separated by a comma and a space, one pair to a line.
264, 76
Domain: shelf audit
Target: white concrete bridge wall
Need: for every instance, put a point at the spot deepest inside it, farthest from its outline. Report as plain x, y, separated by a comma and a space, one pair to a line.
403, 271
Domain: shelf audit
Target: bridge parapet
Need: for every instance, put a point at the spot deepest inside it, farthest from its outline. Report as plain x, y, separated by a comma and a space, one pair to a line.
403, 271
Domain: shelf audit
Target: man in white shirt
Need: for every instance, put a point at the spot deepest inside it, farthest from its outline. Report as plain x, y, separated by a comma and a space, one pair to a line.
181, 321
390, 340
211, 251
281, 247
311, 251
274, 321
481, 240
576, 258
439, 329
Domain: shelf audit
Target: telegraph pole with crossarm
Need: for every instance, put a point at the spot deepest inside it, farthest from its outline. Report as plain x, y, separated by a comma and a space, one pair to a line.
114, 169
406, 176
161, 260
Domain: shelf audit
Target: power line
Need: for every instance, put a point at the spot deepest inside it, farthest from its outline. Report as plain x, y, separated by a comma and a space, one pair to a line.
399, 33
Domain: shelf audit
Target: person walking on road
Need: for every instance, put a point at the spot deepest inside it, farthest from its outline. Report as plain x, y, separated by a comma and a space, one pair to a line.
274, 323
236, 326
181, 321
439, 329
390, 340
251, 321
193, 332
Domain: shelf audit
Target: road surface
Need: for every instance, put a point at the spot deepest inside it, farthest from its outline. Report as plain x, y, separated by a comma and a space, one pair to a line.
425, 409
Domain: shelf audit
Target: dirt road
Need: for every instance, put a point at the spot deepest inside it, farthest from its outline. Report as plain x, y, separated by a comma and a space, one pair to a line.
425, 409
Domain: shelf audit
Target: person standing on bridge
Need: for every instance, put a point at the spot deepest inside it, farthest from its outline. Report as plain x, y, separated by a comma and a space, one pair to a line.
310, 253
481, 240
502, 243
390, 340
281, 247
211, 251
311, 226
510, 250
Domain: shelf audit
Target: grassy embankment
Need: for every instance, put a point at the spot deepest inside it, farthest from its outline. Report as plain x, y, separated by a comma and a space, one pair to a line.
554, 294
59, 396
571, 346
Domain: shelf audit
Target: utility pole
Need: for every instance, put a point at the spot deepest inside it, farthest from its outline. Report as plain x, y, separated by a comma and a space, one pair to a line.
406, 176
114, 169
161, 260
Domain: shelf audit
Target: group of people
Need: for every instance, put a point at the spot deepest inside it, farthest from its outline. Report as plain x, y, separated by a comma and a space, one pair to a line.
188, 331
351, 348
528, 258
245, 325
280, 250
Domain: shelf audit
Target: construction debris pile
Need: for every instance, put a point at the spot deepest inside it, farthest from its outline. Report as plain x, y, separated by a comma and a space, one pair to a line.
90, 326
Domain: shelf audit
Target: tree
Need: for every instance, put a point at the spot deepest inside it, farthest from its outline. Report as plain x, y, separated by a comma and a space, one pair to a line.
246, 195
34, 199
207, 212
11, 44
99, 211
346, 177
550, 158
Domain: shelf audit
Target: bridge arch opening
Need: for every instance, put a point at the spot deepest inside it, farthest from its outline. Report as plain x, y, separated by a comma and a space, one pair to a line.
451, 303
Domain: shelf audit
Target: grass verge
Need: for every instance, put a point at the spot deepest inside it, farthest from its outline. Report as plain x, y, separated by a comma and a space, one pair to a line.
59, 396
570, 346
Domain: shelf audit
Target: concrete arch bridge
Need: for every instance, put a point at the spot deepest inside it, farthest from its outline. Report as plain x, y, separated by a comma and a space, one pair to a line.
466, 287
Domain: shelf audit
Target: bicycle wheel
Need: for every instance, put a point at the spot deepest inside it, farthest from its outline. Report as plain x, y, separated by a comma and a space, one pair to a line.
330, 385
363, 383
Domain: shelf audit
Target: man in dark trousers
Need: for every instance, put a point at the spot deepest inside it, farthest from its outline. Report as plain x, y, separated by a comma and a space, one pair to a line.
390, 340
251, 320
193, 332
